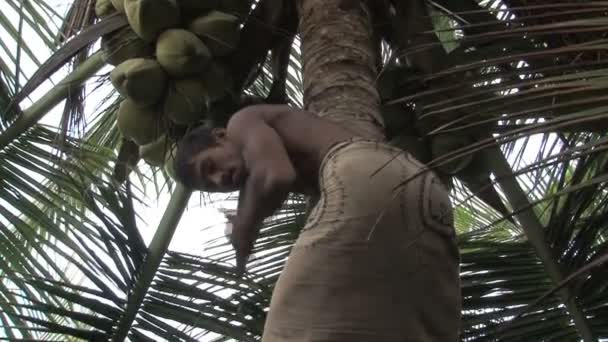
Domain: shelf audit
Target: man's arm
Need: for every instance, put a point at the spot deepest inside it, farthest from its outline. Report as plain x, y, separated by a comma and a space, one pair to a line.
271, 176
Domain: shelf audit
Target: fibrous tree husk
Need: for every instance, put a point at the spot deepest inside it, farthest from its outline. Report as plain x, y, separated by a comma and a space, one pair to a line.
220, 111
217, 80
122, 45
443, 144
397, 119
390, 81
181, 53
218, 30
104, 8
141, 80
186, 101
148, 18
155, 152
417, 146
396, 81
139, 124
426, 123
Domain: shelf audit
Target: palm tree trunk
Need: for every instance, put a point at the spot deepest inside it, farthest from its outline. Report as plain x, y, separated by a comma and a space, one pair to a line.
339, 84
339, 62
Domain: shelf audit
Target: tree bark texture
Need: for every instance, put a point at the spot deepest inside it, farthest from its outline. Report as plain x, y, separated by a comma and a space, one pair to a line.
339, 62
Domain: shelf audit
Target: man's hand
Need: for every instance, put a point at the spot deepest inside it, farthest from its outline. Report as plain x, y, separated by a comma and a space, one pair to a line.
241, 242
242, 239
270, 176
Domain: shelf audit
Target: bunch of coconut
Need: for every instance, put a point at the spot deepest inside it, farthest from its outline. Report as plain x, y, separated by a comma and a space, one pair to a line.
168, 65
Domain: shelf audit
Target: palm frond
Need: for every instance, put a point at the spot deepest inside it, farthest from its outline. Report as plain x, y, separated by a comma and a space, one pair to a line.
502, 77
77, 236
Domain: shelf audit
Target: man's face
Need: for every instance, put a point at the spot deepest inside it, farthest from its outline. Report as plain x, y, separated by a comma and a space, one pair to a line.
219, 168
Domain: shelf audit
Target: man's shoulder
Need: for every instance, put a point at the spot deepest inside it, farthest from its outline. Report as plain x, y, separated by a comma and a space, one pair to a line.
249, 115
294, 123
264, 113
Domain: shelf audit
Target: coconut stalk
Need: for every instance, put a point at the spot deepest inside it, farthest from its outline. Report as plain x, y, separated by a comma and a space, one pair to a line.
40, 108
536, 236
156, 251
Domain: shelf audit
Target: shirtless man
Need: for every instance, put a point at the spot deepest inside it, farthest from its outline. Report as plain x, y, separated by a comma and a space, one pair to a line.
376, 260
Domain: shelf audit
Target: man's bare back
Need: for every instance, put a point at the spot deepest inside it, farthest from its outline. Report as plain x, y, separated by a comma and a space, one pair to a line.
306, 138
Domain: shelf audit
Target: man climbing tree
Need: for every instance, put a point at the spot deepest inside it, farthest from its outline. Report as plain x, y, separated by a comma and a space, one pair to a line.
371, 264
377, 258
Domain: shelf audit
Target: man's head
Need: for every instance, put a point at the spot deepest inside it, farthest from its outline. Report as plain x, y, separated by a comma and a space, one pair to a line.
208, 160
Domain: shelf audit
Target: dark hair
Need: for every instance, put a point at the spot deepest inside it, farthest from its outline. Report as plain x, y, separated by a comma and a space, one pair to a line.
194, 141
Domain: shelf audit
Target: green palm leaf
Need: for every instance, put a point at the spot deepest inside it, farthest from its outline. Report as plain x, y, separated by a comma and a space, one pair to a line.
504, 77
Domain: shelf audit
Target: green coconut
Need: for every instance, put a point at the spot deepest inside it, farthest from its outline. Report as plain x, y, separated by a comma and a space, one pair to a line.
186, 101
219, 31
217, 81
122, 45
442, 145
154, 153
149, 18
141, 80
119, 5
182, 53
104, 8
140, 124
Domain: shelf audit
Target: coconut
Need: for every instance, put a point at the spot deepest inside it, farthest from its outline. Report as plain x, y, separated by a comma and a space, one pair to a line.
218, 30
217, 81
140, 124
181, 53
122, 45
186, 101
104, 8
119, 5
154, 153
141, 80
446, 144
149, 18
